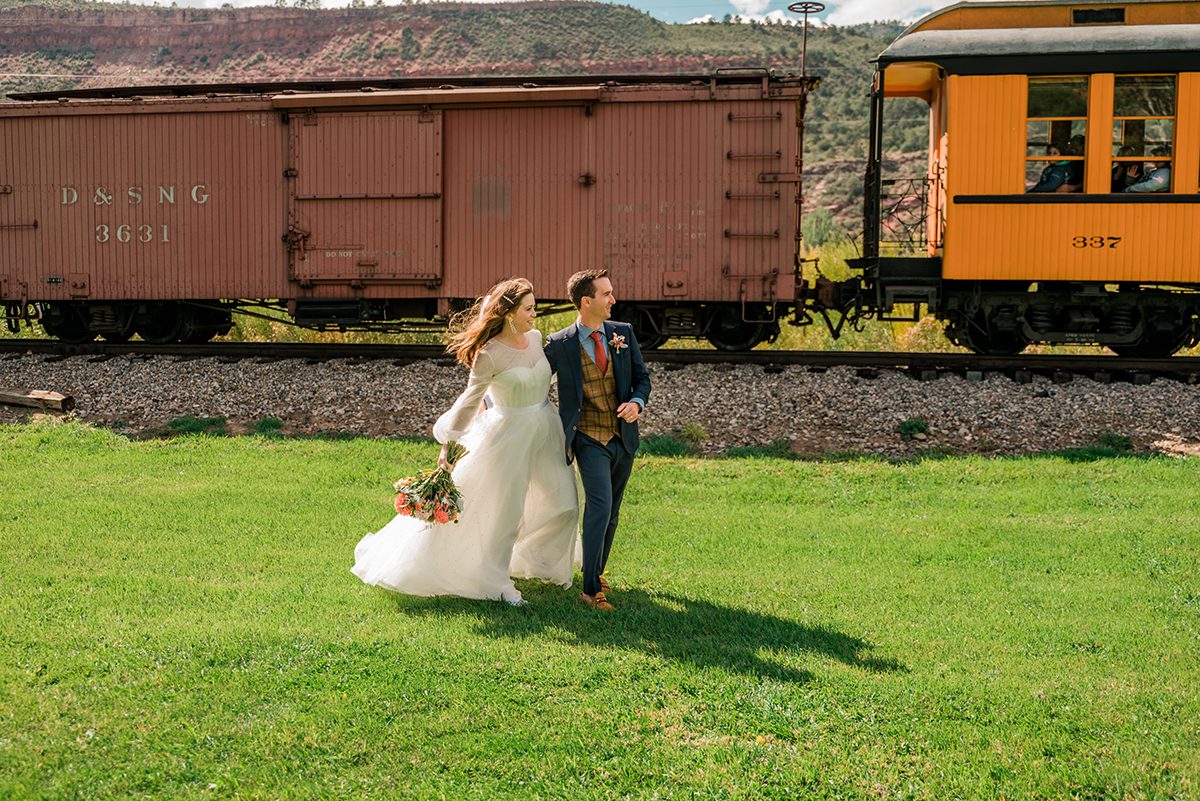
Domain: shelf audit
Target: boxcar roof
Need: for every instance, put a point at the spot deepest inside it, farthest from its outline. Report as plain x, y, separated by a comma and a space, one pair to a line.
727, 76
1041, 50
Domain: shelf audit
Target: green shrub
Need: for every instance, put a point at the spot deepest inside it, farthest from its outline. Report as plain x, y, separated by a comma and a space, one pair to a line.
667, 445
779, 449
911, 427
1111, 440
820, 228
268, 427
692, 433
189, 424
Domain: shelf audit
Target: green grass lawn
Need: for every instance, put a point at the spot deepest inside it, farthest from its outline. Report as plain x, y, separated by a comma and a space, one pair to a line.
177, 619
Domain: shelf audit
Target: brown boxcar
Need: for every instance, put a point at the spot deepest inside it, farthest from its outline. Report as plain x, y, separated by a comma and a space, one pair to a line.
361, 207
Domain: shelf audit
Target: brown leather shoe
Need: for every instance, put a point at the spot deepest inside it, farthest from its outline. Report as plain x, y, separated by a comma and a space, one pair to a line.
597, 601
604, 587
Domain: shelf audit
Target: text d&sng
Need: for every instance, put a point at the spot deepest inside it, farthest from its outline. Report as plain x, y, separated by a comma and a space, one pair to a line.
136, 195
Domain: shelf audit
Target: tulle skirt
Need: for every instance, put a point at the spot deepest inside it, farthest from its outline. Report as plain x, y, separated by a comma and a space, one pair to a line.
519, 517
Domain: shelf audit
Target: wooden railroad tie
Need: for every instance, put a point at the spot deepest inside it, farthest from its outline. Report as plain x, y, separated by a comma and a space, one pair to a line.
38, 398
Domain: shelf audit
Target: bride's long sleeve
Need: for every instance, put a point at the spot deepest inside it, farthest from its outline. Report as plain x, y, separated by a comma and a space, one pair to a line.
452, 425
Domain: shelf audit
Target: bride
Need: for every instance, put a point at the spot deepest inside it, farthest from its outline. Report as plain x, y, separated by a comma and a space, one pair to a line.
519, 508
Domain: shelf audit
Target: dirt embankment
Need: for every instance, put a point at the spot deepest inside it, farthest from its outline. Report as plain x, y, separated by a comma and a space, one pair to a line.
94, 46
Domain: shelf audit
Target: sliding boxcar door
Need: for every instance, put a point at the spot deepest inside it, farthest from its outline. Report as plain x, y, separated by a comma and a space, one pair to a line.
365, 198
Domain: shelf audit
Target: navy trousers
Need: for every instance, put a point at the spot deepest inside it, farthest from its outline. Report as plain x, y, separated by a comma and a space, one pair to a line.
605, 471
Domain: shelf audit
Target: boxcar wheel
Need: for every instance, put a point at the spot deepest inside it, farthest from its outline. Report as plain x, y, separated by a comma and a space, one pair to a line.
730, 332
68, 328
199, 336
646, 324
71, 334
162, 324
202, 323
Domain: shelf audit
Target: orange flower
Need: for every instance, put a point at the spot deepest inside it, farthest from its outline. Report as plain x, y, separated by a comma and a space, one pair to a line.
429, 495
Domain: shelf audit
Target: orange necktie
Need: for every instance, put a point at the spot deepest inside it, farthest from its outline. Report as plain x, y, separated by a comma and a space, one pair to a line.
601, 353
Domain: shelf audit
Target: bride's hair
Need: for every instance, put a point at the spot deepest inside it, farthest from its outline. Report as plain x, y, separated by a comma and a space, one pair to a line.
470, 330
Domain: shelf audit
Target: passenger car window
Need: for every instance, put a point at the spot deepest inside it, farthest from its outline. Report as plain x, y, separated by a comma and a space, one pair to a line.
1143, 132
1055, 134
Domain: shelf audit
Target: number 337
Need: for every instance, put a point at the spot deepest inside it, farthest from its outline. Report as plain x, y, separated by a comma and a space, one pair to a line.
1095, 241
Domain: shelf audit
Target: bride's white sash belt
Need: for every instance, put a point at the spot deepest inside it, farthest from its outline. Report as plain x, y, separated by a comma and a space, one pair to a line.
508, 411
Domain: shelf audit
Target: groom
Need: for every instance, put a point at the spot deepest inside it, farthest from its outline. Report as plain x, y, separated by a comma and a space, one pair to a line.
602, 388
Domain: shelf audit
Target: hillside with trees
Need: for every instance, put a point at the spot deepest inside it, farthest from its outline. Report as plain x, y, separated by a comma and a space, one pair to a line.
52, 45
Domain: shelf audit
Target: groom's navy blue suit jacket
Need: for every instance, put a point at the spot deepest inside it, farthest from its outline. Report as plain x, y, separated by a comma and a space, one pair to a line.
629, 376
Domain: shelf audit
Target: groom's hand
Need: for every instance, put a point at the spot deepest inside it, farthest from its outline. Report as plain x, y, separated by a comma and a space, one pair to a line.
629, 412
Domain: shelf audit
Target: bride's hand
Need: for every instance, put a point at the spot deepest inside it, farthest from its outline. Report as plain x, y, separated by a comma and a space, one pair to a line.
443, 457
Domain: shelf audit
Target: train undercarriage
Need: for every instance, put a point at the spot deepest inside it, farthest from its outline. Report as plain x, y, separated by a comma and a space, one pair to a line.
992, 318
1002, 318
157, 322
727, 326
1129, 319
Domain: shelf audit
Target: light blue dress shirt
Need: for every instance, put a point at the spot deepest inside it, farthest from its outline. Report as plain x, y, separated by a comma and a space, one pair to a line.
589, 347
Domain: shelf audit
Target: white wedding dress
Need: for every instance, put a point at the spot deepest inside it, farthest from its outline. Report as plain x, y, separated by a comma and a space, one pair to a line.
520, 508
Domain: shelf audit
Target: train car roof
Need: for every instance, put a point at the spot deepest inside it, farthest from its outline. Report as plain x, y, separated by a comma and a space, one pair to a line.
1051, 49
724, 76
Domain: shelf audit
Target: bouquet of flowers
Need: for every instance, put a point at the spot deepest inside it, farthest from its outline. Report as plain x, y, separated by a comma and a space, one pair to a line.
431, 494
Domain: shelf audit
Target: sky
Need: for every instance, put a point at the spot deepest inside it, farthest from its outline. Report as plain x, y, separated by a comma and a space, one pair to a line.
839, 12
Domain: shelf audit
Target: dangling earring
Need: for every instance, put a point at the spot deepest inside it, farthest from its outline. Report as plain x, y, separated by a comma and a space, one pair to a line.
511, 324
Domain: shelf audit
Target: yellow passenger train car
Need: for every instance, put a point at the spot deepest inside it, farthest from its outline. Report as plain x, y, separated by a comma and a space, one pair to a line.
1063, 185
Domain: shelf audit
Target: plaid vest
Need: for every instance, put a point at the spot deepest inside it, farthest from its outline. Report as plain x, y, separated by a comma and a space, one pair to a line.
598, 414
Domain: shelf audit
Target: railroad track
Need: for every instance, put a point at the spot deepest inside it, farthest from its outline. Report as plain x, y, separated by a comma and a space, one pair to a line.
923, 366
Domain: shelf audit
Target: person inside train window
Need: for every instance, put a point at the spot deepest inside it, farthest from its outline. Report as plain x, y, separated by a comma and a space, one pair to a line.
1075, 147
1055, 125
1125, 173
1056, 174
1158, 173
1144, 122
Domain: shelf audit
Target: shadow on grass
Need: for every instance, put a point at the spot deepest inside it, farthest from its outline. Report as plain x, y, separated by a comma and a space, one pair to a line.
264, 427
679, 444
686, 630
1090, 453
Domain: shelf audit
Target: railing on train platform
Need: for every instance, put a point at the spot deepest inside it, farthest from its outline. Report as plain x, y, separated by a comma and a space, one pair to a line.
905, 211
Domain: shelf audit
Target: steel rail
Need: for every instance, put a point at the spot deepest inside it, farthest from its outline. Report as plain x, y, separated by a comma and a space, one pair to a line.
923, 365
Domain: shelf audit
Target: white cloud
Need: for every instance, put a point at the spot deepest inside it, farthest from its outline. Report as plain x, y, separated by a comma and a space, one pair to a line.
842, 12
788, 18
772, 17
851, 12
750, 8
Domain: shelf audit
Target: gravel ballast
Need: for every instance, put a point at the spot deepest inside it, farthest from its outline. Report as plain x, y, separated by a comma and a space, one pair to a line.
833, 411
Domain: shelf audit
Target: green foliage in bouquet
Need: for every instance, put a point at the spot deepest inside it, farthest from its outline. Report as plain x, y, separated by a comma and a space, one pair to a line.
432, 495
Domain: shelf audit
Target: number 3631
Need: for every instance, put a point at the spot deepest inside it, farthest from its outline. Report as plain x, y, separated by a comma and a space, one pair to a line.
132, 233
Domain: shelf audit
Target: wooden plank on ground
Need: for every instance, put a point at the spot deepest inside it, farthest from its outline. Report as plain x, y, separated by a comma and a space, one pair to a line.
39, 398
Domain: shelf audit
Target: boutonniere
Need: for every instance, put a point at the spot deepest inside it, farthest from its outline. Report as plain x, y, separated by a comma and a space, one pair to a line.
618, 343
